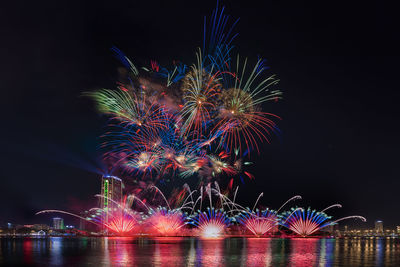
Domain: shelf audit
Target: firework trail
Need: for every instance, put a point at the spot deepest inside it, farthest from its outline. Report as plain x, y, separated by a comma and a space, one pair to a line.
259, 222
192, 215
165, 222
120, 220
189, 120
305, 222
211, 223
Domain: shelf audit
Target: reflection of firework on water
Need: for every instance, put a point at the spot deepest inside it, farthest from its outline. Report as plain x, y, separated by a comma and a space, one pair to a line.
211, 223
165, 222
259, 222
305, 222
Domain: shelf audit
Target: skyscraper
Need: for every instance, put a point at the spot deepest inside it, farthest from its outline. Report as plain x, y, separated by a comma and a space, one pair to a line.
111, 191
58, 223
379, 227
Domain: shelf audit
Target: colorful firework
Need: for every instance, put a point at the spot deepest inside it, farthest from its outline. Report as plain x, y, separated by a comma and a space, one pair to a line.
125, 218
130, 107
165, 222
120, 219
211, 223
187, 121
120, 223
200, 94
305, 222
240, 107
199, 121
259, 222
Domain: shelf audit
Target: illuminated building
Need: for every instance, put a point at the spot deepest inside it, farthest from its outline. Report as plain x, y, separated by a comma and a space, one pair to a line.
111, 191
58, 223
39, 227
398, 229
379, 227
330, 229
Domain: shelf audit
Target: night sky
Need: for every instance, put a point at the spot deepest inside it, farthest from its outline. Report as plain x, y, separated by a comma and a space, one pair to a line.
338, 66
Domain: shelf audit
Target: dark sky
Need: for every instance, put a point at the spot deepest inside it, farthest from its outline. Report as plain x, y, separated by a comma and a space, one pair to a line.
338, 65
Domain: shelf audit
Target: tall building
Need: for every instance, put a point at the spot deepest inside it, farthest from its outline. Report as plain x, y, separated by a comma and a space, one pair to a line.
330, 229
111, 191
58, 223
398, 230
379, 227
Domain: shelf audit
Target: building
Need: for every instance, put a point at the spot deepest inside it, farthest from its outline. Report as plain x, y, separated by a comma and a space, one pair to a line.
379, 227
330, 229
111, 191
39, 227
39, 233
58, 223
398, 230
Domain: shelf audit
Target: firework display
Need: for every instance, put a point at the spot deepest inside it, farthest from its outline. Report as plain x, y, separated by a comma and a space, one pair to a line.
305, 222
165, 222
218, 217
211, 223
259, 222
200, 120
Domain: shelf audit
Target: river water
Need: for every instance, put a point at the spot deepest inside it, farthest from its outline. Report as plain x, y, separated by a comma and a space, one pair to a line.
274, 252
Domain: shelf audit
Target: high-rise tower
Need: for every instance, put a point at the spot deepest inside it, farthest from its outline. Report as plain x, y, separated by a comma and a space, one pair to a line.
379, 227
58, 223
111, 191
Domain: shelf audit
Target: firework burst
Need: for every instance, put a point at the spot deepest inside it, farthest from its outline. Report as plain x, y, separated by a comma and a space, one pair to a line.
211, 223
200, 94
129, 108
305, 222
180, 121
165, 222
241, 108
259, 222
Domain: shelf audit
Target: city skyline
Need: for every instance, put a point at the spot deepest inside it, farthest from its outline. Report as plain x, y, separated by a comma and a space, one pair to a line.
111, 189
339, 128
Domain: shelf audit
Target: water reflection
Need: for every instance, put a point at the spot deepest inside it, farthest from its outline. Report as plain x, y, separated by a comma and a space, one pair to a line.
55, 248
27, 251
303, 252
210, 253
160, 252
258, 252
168, 252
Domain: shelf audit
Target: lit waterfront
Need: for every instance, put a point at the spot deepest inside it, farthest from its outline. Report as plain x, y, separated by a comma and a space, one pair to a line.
299, 252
